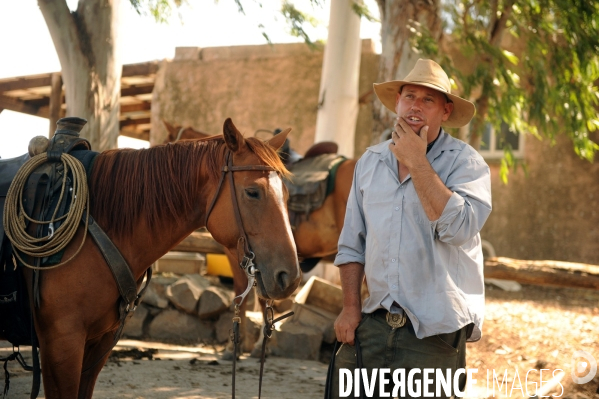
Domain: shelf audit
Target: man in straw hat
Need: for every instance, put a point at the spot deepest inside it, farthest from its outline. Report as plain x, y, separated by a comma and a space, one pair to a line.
414, 213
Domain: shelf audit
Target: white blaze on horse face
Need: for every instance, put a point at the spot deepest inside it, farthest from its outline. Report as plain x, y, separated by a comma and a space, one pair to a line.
277, 186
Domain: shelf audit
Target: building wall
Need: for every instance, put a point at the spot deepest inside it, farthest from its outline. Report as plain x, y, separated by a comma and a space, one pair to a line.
551, 211
259, 87
549, 214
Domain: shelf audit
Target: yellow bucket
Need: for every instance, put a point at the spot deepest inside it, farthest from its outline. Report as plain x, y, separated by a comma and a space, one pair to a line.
218, 265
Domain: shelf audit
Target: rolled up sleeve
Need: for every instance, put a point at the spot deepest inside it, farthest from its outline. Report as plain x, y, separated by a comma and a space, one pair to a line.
470, 204
352, 241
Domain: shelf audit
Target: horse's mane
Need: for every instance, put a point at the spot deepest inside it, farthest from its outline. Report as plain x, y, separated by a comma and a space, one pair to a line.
161, 182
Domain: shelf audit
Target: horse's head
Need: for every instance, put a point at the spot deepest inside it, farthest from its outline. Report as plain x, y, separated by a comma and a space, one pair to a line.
176, 133
261, 198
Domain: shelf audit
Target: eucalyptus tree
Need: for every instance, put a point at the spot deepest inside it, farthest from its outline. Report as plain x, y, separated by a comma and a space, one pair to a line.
530, 64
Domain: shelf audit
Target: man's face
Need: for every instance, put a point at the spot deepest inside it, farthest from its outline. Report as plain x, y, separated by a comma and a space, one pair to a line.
420, 106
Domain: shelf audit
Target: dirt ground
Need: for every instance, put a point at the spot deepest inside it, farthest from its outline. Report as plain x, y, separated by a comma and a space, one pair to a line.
532, 329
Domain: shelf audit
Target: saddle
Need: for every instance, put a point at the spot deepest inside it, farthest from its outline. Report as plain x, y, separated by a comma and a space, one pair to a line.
312, 181
289, 156
39, 199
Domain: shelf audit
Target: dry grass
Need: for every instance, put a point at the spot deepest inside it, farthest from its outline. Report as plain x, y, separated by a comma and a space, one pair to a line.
536, 328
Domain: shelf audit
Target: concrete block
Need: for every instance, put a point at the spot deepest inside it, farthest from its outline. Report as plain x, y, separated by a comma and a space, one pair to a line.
181, 263
315, 317
296, 341
321, 293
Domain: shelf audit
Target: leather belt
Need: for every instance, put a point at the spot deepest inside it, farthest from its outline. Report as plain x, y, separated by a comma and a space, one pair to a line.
393, 320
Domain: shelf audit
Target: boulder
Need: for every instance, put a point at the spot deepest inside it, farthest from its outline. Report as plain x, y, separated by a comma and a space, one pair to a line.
185, 293
214, 301
134, 327
174, 326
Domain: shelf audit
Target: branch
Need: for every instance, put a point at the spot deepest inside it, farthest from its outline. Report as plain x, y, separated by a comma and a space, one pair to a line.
60, 25
500, 24
493, 20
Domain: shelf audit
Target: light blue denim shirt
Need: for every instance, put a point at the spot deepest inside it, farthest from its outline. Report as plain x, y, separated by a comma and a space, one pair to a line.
433, 269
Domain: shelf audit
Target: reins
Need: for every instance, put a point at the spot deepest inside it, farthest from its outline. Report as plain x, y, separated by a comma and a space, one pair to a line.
246, 264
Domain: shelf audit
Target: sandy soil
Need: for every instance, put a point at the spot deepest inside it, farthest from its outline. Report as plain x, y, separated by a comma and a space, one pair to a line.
536, 328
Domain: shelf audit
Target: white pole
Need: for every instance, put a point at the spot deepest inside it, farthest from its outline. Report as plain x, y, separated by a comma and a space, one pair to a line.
338, 110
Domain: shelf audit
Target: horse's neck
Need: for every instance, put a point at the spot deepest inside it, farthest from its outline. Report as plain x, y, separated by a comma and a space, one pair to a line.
149, 243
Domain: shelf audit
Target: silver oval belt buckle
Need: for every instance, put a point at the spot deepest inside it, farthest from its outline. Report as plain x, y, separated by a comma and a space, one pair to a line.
396, 320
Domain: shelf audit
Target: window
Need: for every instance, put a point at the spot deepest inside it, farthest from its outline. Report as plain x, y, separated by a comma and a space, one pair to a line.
491, 146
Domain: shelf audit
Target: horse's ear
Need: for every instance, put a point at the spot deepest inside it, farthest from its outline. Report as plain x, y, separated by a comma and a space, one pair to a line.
278, 140
233, 138
171, 129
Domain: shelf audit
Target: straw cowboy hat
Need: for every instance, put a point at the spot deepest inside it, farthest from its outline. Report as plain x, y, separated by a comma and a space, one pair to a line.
427, 73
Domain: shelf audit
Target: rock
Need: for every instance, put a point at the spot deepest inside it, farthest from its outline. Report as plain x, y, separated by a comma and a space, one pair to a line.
214, 301
134, 327
223, 327
185, 293
296, 341
174, 326
156, 296
253, 325
506, 285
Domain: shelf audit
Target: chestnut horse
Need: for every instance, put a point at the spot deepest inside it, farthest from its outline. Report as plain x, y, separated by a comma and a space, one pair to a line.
147, 201
315, 237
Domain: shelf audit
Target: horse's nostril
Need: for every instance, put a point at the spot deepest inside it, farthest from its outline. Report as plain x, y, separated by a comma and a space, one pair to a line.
283, 280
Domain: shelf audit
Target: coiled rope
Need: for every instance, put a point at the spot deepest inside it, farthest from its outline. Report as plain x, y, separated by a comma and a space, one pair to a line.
15, 215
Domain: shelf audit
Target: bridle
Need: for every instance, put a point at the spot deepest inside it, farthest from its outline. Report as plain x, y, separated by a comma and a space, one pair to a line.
246, 264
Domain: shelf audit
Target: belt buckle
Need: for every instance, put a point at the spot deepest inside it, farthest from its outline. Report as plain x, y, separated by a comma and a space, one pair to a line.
396, 320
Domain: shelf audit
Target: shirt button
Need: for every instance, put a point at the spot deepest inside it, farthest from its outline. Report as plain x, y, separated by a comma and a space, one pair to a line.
397, 208
393, 260
393, 286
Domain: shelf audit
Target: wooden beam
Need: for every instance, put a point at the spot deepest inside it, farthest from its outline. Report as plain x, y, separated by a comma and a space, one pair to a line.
543, 272
55, 102
137, 90
142, 106
135, 134
25, 82
13, 104
199, 242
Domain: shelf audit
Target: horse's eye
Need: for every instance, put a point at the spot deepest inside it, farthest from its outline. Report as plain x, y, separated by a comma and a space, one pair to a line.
252, 193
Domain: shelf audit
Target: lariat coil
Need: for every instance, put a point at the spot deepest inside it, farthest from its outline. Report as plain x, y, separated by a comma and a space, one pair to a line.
15, 216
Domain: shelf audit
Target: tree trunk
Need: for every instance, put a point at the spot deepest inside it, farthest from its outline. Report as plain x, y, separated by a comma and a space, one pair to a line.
544, 272
496, 29
397, 56
87, 45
